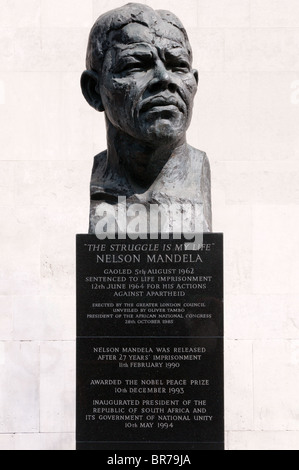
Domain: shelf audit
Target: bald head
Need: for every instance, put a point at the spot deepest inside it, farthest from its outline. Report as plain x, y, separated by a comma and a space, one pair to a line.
108, 29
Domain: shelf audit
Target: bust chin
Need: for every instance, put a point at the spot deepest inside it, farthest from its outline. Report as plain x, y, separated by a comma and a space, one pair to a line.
139, 73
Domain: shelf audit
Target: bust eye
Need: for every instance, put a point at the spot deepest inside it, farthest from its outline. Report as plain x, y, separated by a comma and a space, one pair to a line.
181, 67
134, 67
178, 66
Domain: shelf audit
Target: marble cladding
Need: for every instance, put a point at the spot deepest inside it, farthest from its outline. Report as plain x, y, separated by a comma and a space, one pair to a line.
245, 117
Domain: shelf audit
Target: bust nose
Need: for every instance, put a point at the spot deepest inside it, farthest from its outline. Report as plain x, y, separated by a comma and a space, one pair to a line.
163, 79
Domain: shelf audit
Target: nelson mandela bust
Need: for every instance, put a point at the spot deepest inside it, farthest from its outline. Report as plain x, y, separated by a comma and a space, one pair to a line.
139, 73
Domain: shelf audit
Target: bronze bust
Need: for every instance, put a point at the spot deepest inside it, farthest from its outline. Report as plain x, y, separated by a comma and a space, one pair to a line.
139, 73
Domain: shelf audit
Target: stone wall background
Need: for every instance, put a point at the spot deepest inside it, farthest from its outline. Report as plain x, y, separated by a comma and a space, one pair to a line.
246, 118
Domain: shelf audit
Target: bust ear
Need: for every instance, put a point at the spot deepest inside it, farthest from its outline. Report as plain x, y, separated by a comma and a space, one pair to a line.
90, 86
195, 73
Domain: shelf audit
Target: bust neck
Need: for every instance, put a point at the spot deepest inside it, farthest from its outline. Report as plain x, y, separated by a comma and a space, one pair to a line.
140, 163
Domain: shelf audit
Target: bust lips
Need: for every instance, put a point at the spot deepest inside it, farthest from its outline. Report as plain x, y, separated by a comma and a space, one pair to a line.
161, 101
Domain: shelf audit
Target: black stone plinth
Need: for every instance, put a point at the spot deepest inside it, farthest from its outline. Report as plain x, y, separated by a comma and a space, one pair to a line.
150, 344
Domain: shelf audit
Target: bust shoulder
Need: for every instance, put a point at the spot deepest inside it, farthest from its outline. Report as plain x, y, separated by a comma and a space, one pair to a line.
198, 158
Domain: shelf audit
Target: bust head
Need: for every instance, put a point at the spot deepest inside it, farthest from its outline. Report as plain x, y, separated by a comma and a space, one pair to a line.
139, 72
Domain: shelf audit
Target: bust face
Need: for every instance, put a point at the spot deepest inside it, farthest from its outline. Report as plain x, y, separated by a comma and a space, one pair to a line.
147, 84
